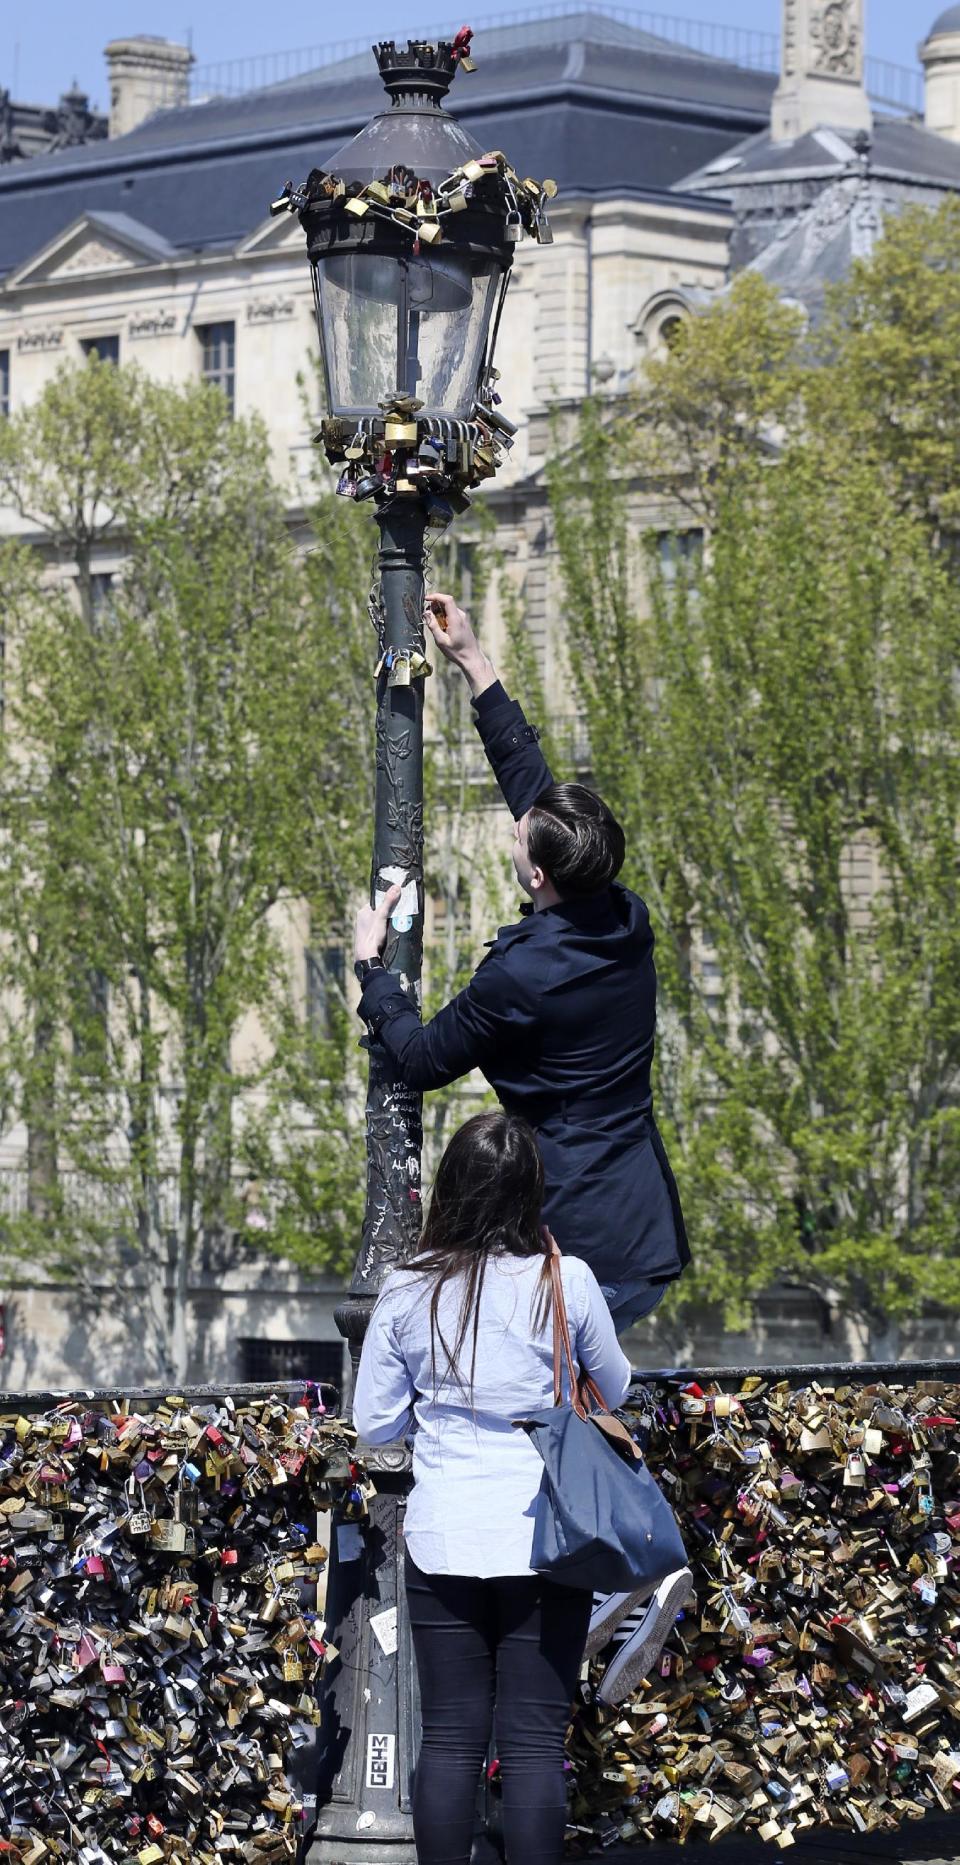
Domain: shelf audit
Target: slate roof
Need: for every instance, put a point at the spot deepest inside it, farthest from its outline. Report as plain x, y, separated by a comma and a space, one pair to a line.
948, 21
898, 147
784, 194
599, 105
817, 248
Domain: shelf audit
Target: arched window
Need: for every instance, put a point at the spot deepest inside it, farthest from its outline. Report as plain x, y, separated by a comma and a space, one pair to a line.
660, 321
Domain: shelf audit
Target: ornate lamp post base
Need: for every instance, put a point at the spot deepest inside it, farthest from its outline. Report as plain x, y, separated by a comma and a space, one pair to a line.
371, 1713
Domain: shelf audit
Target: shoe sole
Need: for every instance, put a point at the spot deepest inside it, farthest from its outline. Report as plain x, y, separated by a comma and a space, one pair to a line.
601, 1633
631, 1665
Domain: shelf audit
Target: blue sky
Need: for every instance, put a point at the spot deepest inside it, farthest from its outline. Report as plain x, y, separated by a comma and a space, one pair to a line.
45, 44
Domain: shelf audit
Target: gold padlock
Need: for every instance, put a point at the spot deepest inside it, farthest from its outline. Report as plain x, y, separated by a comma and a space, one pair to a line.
400, 433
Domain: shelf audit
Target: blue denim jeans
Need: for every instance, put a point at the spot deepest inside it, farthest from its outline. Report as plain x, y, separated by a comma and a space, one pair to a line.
631, 1301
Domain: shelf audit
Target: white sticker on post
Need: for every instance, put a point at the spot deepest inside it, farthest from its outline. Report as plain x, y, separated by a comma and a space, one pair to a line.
380, 1760
384, 1628
405, 911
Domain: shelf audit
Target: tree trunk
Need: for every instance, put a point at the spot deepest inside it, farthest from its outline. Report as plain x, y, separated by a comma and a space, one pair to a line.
151, 1232
41, 1128
883, 1337
218, 1165
184, 1237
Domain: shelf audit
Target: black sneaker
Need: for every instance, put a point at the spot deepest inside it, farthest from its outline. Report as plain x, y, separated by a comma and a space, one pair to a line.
639, 1653
608, 1611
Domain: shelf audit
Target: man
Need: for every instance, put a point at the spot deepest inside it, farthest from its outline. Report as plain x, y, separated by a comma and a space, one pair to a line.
560, 1017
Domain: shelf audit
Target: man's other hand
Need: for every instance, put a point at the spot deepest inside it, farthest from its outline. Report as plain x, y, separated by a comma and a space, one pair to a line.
449, 628
370, 935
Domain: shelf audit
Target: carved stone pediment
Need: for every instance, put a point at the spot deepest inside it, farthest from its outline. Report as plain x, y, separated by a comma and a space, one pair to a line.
282, 235
90, 257
90, 247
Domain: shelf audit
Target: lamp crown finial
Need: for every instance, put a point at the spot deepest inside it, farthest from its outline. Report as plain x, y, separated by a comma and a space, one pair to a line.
421, 71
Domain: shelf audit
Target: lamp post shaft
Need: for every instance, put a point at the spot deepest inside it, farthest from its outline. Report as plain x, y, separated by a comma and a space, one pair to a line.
370, 1709
391, 1223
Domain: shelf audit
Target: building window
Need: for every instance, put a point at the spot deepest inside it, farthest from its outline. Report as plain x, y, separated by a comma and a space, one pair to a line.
219, 347
107, 349
101, 599
326, 974
4, 382
680, 554
282, 1362
670, 331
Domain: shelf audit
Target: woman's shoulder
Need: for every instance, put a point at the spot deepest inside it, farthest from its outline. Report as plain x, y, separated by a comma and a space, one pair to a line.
579, 1286
399, 1286
575, 1270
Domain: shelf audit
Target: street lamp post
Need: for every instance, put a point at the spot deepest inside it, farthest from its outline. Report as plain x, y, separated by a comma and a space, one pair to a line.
410, 237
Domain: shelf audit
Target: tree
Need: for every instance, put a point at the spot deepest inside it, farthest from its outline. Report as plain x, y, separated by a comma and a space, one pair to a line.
890, 350
777, 721
181, 768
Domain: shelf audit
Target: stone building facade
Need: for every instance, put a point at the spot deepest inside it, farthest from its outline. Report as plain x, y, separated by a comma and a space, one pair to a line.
673, 167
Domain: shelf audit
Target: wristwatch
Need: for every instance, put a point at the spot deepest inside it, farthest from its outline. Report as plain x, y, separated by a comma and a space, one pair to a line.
363, 968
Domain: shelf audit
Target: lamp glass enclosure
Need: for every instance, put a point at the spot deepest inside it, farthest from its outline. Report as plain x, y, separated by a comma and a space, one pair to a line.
403, 324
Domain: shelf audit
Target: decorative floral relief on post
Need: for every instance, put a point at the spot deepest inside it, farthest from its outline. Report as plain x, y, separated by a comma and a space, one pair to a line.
394, 1140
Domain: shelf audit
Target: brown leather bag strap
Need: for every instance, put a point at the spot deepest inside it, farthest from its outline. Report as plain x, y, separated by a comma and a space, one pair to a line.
585, 1387
561, 1334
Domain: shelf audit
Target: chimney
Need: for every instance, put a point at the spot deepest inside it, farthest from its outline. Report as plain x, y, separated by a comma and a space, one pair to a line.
146, 74
940, 57
821, 70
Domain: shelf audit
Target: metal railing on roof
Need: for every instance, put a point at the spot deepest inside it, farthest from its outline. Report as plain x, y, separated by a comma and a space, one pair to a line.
739, 45
896, 87
893, 87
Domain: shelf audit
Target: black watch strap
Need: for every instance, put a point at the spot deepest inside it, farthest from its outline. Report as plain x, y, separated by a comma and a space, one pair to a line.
364, 966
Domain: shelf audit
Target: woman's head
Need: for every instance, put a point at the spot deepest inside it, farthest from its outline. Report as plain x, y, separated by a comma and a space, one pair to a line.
486, 1202
488, 1191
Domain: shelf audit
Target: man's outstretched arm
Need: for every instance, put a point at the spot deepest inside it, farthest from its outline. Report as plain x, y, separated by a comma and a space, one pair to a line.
511, 744
497, 1010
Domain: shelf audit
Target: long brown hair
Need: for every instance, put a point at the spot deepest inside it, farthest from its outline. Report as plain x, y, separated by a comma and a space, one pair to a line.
486, 1201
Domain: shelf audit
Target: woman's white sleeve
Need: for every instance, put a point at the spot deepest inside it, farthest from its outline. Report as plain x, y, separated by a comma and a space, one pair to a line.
597, 1350
384, 1393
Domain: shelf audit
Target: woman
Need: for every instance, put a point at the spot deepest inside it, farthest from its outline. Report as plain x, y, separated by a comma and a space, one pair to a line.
460, 1345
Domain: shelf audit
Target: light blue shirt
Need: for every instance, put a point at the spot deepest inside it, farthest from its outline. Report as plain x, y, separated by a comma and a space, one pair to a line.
476, 1478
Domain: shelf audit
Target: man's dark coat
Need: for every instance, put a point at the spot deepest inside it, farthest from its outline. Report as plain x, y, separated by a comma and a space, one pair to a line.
560, 1016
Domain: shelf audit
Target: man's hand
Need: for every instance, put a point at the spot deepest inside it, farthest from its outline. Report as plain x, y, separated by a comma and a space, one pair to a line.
449, 628
370, 935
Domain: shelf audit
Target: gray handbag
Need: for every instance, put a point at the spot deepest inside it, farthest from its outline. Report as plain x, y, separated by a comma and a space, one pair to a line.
601, 1521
